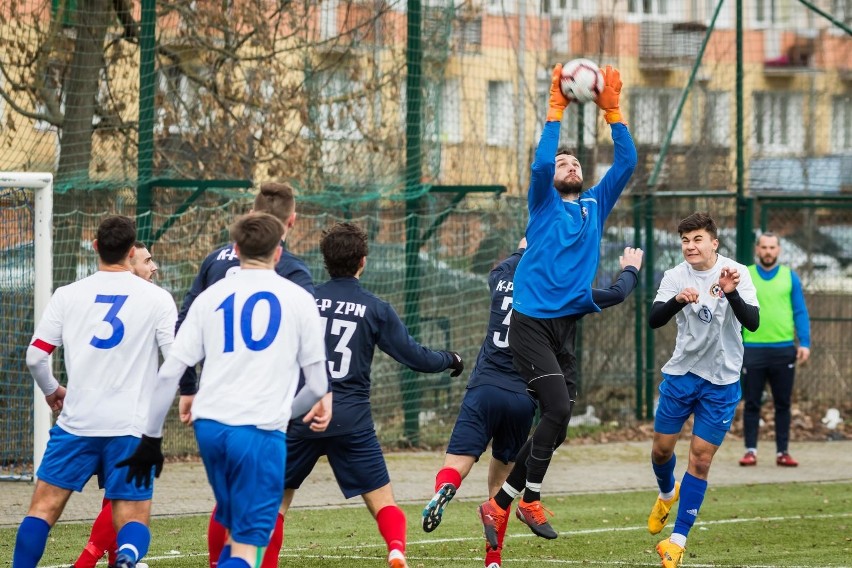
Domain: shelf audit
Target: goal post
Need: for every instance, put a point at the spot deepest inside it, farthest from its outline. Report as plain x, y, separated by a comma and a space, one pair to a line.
42, 186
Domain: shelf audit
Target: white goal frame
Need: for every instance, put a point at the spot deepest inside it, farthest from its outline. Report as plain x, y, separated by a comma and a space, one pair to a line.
42, 183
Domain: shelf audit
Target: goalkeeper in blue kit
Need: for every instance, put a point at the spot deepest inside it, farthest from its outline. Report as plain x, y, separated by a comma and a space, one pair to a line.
552, 290
497, 408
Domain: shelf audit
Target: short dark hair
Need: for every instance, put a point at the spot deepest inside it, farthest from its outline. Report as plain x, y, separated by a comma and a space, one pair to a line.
343, 246
257, 235
564, 150
140, 245
768, 234
277, 199
116, 235
696, 222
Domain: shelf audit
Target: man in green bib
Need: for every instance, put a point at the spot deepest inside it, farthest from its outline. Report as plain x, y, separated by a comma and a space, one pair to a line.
770, 352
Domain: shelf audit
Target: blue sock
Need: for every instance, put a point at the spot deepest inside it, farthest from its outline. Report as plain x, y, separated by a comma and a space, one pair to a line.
225, 554
133, 540
30, 542
692, 492
234, 562
665, 475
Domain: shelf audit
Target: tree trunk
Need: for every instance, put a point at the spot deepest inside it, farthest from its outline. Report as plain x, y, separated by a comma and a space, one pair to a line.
91, 20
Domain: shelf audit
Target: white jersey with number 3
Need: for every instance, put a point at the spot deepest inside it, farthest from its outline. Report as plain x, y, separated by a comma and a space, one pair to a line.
709, 337
111, 325
255, 331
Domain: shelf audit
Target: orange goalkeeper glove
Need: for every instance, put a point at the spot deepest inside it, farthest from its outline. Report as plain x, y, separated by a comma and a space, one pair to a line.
608, 99
558, 101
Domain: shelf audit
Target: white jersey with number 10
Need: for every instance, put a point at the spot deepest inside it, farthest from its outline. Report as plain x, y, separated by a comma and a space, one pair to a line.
254, 330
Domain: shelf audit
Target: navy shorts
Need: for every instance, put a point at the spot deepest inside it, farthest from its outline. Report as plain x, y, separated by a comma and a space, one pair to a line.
490, 413
713, 405
70, 461
356, 460
245, 468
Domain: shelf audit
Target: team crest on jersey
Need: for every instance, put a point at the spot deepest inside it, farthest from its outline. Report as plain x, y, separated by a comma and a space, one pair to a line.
705, 314
583, 211
716, 290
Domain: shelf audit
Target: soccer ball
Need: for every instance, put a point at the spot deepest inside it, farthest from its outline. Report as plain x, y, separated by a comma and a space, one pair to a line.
582, 80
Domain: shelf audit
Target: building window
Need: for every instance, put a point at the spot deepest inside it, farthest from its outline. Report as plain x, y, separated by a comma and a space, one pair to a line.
842, 10
648, 7
778, 126
442, 112
718, 118
343, 108
841, 125
651, 114
500, 114
181, 109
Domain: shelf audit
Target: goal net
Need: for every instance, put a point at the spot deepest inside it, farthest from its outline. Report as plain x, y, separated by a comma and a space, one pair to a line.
25, 287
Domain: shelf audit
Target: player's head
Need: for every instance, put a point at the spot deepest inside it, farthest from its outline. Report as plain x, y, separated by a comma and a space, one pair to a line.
258, 238
768, 249
142, 263
568, 177
279, 200
344, 250
699, 240
115, 238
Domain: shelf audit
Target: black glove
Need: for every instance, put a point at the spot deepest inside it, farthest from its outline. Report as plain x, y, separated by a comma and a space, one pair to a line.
148, 454
456, 364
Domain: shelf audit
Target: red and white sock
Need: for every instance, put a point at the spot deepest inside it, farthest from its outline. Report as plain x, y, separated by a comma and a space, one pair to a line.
391, 522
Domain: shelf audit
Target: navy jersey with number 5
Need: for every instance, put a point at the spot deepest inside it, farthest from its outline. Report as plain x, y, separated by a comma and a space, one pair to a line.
494, 362
356, 322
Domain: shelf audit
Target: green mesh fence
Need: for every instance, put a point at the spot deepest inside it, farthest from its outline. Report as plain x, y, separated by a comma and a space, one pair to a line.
339, 98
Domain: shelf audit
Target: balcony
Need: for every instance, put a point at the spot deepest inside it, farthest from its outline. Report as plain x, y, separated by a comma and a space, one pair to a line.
796, 59
667, 45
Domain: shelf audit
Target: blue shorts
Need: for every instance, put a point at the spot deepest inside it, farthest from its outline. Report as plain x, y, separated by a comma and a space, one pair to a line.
70, 461
245, 468
713, 405
356, 460
491, 413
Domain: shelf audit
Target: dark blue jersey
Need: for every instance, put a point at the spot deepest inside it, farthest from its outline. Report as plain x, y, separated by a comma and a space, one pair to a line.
356, 322
215, 267
494, 362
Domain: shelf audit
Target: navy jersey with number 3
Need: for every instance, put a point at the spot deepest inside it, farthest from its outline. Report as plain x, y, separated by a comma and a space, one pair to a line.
356, 322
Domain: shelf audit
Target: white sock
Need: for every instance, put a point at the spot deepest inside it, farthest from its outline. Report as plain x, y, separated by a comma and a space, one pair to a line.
678, 539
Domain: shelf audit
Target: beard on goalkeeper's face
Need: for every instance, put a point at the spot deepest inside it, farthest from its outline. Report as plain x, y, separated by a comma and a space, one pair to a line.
567, 188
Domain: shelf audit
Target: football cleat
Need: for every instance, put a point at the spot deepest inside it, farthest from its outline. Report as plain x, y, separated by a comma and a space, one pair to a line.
785, 460
670, 553
493, 520
660, 513
124, 561
750, 458
435, 508
532, 515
